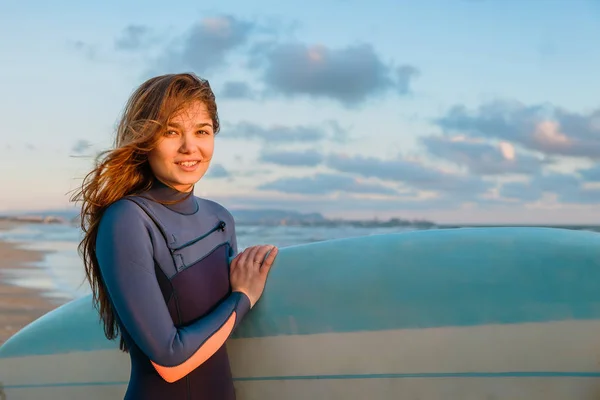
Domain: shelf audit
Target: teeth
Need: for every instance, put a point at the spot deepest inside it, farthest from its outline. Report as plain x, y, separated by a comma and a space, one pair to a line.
188, 163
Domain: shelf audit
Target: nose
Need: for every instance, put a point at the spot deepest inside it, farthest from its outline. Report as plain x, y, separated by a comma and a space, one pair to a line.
188, 144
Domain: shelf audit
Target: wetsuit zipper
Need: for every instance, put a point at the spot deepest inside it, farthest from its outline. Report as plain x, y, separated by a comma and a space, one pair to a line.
219, 227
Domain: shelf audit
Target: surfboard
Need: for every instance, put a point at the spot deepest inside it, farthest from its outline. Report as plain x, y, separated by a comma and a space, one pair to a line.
473, 313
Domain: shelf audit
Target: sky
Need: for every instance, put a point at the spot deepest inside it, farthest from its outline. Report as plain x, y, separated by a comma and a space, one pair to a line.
456, 111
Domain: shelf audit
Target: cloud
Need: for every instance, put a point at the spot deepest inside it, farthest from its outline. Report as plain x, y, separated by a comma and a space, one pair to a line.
80, 147
483, 158
590, 174
404, 76
133, 38
324, 184
207, 44
522, 191
278, 134
350, 75
340, 135
334, 203
410, 173
236, 90
544, 128
581, 196
89, 51
567, 187
22, 146
285, 134
217, 171
307, 158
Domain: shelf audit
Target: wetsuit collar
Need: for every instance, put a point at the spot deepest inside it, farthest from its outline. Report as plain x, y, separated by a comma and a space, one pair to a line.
186, 201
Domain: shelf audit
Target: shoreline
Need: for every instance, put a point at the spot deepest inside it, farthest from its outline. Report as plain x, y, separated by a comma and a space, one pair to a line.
19, 306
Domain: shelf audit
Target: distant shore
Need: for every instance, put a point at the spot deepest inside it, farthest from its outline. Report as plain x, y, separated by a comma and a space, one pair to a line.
19, 306
275, 217
245, 217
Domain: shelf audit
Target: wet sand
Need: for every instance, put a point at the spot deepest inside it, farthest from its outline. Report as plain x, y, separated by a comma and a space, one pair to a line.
19, 306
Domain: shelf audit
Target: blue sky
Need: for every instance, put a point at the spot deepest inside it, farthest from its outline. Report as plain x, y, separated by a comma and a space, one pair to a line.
451, 110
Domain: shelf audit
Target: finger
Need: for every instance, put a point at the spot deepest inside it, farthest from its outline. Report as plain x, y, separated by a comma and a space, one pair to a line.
252, 258
243, 257
266, 266
234, 263
262, 252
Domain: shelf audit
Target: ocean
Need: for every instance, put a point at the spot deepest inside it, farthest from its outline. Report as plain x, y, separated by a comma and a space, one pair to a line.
61, 275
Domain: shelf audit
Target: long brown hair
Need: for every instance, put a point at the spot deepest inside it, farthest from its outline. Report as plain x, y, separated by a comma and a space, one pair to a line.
124, 169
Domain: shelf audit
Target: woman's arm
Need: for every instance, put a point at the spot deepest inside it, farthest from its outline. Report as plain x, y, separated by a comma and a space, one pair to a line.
124, 252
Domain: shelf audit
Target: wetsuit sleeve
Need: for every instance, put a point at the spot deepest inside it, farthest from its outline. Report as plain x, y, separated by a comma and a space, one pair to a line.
125, 256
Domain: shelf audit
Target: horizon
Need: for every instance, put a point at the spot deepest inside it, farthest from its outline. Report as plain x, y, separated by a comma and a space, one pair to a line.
74, 212
457, 112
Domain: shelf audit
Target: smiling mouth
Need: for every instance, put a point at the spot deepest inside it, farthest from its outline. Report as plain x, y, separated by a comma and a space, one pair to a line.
187, 163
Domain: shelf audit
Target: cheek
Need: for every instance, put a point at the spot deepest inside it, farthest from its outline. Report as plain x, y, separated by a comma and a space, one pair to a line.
157, 159
208, 148
152, 161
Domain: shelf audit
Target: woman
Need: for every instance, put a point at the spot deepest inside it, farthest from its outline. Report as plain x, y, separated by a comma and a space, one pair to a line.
156, 256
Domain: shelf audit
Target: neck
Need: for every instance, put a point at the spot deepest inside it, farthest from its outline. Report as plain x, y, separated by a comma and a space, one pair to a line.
182, 201
181, 189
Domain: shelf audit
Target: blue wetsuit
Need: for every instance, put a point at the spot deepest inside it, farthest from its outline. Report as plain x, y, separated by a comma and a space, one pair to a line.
166, 269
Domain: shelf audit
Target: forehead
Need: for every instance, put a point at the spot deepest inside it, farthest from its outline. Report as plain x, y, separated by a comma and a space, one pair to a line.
195, 113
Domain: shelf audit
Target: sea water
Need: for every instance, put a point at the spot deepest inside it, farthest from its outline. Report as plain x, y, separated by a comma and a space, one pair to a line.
61, 276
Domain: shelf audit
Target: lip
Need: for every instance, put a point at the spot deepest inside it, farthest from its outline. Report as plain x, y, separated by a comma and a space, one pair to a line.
185, 168
191, 160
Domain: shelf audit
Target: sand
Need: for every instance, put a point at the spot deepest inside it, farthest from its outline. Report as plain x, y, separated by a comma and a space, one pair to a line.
19, 306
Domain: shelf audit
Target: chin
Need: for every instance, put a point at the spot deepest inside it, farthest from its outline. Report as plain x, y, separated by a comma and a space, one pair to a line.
189, 180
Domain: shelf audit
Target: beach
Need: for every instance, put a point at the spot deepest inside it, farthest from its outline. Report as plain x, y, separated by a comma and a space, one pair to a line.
19, 305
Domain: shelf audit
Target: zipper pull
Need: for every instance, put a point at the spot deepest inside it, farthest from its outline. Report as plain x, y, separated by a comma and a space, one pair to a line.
222, 226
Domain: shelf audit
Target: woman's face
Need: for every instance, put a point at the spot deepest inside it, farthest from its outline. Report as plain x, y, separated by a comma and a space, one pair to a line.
183, 154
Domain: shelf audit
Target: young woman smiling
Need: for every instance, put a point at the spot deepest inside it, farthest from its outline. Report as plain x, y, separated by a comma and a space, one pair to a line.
158, 258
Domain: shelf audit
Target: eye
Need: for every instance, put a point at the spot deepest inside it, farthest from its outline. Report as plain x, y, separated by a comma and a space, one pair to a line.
170, 133
203, 132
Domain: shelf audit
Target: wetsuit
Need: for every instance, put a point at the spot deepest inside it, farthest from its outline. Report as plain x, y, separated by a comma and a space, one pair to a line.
166, 269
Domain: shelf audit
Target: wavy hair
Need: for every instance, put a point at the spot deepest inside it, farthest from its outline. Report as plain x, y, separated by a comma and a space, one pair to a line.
124, 170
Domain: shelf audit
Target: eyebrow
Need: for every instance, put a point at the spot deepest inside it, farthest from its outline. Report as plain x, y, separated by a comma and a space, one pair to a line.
199, 125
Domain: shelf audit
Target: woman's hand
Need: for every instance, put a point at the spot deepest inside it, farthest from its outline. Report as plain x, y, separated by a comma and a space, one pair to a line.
249, 270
